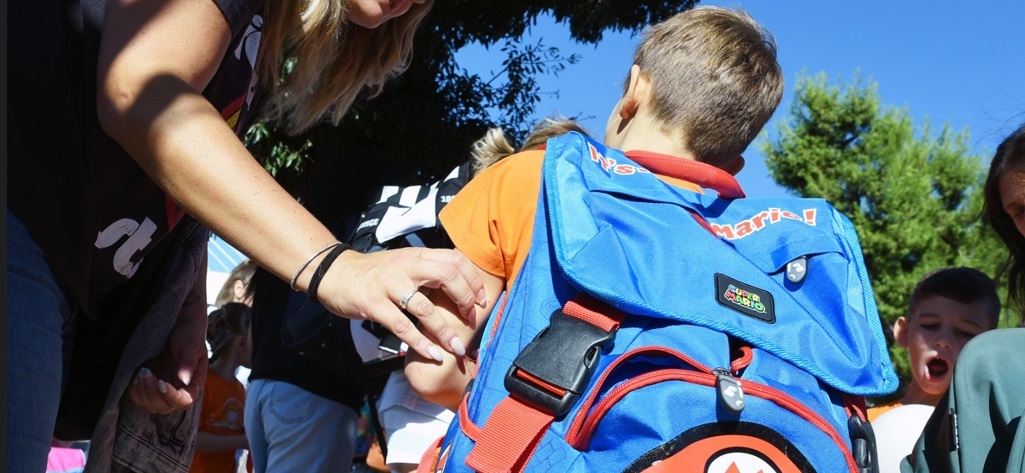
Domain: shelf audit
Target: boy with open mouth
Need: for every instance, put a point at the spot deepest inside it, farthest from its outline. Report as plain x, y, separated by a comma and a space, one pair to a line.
948, 307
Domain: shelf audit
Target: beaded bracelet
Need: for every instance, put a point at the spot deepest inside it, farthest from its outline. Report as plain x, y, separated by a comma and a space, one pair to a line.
306, 263
322, 269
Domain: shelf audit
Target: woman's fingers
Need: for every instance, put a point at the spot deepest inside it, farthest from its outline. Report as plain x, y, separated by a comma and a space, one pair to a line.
454, 274
375, 285
396, 322
426, 312
156, 396
147, 392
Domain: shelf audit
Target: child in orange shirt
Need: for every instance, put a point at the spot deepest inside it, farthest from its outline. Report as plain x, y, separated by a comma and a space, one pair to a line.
221, 430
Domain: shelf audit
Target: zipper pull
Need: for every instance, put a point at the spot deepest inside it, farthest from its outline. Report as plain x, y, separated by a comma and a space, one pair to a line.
731, 393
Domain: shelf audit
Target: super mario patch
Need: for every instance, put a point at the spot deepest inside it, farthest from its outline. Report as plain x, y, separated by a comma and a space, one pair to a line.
743, 298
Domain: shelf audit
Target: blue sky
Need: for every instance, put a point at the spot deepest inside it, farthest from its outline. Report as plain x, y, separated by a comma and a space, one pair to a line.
961, 63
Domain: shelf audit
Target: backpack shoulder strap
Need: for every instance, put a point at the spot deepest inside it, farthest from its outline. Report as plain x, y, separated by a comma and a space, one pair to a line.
544, 383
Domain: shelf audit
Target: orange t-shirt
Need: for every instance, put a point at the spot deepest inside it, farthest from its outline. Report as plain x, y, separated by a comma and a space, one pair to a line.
875, 412
223, 411
491, 220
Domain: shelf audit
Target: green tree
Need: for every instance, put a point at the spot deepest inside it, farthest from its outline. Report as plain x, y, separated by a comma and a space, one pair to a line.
427, 119
914, 196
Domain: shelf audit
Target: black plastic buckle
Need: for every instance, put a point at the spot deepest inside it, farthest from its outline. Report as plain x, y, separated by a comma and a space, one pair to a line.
863, 445
563, 355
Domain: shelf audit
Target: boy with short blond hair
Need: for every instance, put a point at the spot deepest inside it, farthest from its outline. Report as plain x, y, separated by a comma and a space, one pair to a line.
638, 313
703, 85
714, 81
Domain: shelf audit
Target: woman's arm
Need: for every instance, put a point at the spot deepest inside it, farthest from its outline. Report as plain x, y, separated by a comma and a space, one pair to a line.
155, 59
443, 382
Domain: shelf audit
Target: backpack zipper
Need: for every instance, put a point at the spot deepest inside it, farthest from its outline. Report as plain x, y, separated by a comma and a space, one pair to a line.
587, 420
731, 392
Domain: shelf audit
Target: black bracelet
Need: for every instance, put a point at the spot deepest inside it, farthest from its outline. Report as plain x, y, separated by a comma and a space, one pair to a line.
322, 269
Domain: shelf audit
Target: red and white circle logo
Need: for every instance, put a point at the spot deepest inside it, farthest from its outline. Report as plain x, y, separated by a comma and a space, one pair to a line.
751, 448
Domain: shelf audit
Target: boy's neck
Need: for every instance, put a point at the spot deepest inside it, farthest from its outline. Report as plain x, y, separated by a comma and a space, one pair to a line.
649, 139
916, 395
632, 127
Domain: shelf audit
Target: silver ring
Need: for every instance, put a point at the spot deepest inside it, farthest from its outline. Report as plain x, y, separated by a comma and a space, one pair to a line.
407, 297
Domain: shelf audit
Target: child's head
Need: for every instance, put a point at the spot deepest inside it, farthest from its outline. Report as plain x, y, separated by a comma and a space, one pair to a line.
494, 146
227, 329
235, 287
1004, 210
714, 80
948, 307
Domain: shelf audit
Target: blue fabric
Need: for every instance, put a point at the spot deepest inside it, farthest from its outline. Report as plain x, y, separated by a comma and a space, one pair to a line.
291, 429
630, 240
40, 337
642, 226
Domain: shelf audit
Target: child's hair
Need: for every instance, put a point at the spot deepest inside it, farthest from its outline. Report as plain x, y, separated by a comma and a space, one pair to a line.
331, 59
1010, 156
962, 284
243, 272
714, 80
225, 324
494, 146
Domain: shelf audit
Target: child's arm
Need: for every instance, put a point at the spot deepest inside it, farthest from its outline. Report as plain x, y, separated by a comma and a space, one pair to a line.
207, 442
443, 383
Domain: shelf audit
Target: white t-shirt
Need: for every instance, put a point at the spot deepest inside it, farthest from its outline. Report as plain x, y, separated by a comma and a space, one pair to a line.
897, 431
411, 423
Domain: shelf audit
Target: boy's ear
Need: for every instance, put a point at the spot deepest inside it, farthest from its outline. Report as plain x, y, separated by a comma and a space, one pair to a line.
636, 92
736, 165
900, 331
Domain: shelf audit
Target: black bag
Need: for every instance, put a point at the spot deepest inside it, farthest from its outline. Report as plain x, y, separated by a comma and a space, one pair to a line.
400, 217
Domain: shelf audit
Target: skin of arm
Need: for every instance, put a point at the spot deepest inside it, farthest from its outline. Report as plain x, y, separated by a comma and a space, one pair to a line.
207, 442
155, 59
443, 382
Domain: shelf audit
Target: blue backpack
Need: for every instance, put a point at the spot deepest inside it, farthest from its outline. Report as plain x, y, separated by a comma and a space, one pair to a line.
659, 330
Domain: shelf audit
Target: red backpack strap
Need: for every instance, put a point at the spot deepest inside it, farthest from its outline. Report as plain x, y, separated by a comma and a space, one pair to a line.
431, 459
544, 382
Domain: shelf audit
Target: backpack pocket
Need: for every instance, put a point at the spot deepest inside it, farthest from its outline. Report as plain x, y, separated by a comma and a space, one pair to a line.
684, 416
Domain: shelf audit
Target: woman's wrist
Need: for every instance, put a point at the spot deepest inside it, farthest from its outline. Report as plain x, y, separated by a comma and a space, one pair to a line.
306, 264
322, 269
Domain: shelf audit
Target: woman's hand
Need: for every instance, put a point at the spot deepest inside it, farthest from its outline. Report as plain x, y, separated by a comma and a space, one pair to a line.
372, 286
172, 380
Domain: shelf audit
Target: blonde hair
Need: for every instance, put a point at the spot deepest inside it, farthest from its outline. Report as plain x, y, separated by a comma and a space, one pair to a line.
494, 146
714, 78
327, 60
243, 272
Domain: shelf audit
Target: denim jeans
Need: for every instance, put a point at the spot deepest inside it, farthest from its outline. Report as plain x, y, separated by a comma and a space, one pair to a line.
40, 336
291, 429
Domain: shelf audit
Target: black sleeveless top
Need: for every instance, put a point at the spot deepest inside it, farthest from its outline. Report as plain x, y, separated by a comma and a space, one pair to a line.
93, 211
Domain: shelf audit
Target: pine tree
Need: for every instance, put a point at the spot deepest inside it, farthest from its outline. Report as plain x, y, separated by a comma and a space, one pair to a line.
913, 195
